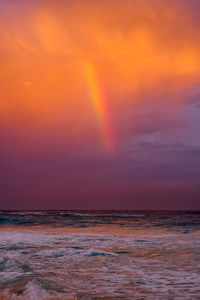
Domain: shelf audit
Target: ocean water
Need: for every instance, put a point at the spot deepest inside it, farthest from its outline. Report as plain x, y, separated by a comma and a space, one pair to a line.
99, 255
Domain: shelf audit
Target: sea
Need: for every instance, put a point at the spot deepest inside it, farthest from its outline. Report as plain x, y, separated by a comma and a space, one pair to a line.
99, 255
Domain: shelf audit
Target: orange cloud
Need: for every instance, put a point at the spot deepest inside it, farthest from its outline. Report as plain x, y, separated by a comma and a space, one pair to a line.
137, 47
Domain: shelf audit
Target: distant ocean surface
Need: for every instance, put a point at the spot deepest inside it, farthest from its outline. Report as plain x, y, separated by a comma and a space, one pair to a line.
99, 255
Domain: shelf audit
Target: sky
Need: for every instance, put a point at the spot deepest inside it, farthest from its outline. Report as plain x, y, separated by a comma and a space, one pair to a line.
99, 104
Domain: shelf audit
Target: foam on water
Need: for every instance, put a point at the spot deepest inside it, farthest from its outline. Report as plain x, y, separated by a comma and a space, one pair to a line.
115, 257
33, 291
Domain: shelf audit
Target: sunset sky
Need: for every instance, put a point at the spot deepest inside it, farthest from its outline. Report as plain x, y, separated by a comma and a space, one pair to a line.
100, 104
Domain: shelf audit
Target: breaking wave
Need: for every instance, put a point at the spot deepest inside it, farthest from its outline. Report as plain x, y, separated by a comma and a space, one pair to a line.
33, 291
74, 255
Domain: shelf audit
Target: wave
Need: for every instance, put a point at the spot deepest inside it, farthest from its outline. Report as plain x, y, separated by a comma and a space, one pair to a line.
11, 271
73, 251
62, 219
33, 291
8, 221
7, 265
115, 215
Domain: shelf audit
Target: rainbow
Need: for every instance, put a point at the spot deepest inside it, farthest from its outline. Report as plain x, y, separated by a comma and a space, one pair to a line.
100, 104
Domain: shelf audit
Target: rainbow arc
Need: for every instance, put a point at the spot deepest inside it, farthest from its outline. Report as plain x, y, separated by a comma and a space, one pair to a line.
100, 104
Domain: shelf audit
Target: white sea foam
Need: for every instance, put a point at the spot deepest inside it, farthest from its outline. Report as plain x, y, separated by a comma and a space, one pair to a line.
51, 263
33, 291
73, 251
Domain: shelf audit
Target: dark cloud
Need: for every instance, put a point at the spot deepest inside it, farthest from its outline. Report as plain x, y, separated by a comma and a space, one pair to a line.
174, 162
147, 123
137, 177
